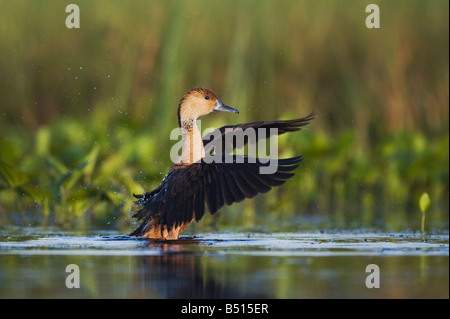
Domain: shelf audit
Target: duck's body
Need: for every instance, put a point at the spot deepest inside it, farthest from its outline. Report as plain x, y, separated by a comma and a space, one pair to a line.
193, 182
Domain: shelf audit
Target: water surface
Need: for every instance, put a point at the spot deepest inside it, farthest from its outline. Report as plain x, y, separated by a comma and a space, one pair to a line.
223, 265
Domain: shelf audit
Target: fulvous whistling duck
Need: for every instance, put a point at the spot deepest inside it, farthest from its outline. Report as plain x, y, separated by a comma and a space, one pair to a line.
193, 182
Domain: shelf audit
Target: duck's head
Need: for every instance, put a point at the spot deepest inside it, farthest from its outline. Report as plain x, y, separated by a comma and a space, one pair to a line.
198, 102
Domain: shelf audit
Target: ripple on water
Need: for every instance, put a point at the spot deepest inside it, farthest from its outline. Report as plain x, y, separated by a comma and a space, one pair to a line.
257, 244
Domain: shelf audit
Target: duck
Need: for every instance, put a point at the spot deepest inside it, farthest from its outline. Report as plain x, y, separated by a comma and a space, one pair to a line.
195, 183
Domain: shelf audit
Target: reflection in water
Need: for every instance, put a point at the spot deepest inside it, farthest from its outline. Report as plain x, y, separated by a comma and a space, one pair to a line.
228, 266
179, 273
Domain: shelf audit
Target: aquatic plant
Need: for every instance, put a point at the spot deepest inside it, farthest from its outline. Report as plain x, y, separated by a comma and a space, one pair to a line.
424, 203
86, 114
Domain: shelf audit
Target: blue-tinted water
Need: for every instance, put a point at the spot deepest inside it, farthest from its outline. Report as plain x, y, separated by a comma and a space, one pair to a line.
223, 265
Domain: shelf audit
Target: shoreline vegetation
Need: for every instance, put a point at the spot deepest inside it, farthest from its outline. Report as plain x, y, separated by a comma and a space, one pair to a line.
85, 114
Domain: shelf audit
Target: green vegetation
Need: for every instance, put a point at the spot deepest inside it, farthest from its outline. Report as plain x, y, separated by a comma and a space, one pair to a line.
424, 203
86, 114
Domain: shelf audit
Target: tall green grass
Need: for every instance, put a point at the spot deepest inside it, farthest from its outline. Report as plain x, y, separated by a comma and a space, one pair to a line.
85, 114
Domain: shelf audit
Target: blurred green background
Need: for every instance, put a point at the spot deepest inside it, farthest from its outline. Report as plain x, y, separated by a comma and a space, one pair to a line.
85, 114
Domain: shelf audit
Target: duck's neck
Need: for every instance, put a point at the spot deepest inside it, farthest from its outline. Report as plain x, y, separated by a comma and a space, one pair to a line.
192, 143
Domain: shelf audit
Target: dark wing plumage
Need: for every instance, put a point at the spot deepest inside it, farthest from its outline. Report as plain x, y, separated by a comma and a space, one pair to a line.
282, 127
186, 190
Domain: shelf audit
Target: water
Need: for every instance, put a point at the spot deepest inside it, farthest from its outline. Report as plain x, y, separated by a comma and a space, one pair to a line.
223, 265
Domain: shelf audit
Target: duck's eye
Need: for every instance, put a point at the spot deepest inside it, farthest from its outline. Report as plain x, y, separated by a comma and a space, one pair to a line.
207, 97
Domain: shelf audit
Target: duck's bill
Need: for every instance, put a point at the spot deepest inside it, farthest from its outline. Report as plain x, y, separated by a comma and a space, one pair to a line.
224, 108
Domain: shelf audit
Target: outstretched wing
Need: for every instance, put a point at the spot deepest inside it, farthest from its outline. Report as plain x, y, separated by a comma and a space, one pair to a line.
217, 139
186, 190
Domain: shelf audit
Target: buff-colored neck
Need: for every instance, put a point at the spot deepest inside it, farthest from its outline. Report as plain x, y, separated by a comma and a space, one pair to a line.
192, 143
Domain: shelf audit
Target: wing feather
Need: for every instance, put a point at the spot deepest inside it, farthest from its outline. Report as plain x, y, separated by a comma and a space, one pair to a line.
186, 190
282, 127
